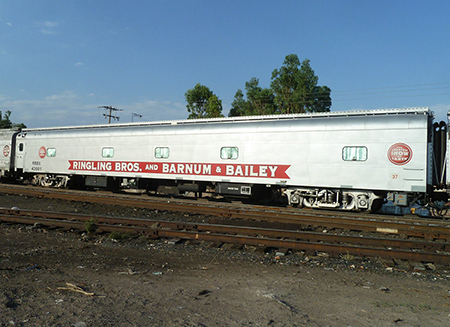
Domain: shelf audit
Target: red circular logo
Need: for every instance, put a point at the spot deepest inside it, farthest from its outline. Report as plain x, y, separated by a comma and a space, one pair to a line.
42, 152
400, 154
6, 150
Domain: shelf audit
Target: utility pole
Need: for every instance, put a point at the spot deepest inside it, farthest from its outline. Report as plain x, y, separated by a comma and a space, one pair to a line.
110, 115
135, 115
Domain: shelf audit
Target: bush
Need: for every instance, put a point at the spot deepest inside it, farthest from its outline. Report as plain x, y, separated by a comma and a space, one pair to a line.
117, 236
89, 225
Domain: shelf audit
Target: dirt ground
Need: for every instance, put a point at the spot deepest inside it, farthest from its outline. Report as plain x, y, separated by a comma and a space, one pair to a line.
142, 282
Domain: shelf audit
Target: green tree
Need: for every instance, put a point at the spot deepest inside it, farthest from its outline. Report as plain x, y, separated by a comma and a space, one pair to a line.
296, 90
202, 103
322, 99
5, 121
214, 107
260, 101
239, 106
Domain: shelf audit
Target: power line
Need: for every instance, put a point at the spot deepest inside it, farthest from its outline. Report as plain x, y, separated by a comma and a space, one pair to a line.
135, 115
386, 92
391, 87
399, 91
393, 91
110, 115
391, 97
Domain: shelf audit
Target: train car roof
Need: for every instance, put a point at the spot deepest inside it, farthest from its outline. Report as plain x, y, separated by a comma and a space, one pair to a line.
353, 113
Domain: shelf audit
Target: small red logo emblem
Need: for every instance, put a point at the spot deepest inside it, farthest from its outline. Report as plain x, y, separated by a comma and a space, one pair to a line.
400, 154
42, 152
6, 150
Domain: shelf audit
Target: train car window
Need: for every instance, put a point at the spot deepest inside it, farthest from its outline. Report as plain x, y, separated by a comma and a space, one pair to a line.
354, 153
162, 153
230, 152
51, 152
108, 152
21, 147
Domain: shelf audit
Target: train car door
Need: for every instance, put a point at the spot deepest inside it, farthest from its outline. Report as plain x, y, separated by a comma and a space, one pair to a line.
20, 153
6, 147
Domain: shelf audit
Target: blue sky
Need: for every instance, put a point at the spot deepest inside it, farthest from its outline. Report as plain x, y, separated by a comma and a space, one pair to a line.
60, 60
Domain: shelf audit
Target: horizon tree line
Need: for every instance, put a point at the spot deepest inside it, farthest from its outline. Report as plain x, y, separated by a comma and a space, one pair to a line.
293, 89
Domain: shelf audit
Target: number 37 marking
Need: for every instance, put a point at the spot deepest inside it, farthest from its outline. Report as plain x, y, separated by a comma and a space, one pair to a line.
394, 176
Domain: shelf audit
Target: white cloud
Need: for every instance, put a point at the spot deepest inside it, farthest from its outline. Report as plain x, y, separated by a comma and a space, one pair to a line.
9, 24
79, 64
65, 96
50, 24
47, 27
68, 109
157, 110
54, 110
46, 31
150, 110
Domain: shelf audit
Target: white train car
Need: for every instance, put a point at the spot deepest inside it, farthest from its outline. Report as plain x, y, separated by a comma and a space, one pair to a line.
341, 160
6, 137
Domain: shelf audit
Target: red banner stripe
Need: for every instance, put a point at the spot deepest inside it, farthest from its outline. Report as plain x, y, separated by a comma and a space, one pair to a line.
177, 168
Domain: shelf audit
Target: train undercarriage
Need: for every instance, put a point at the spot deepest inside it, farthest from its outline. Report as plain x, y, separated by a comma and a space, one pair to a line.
314, 198
348, 200
51, 180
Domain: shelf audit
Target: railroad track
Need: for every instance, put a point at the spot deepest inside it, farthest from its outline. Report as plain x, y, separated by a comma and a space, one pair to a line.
260, 236
408, 238
403, 227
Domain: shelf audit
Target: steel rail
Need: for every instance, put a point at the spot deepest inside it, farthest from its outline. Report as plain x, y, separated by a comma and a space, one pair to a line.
294, 240
430, 231
238, 229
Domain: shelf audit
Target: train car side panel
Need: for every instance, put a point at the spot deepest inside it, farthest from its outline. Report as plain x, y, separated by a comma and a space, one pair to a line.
376, 151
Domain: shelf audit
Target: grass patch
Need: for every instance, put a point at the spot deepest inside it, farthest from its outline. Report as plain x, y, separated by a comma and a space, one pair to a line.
383, 304
348, 257
116, 236
415, 308
90, 226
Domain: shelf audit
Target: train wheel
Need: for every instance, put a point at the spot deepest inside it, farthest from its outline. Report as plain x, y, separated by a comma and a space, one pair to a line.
42, 180
439, 209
